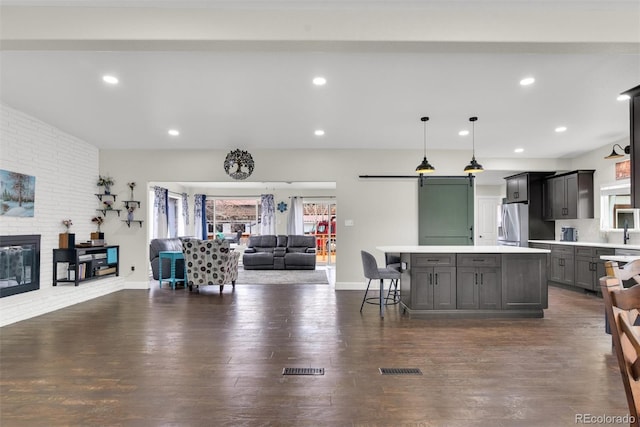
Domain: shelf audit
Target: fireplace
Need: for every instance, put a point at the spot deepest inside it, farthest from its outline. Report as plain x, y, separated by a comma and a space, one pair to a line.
19, 264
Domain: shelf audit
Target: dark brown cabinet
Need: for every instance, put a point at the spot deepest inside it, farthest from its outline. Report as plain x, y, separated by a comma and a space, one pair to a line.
568, 196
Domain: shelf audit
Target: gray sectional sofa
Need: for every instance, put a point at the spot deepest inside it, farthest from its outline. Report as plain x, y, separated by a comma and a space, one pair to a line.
281, 252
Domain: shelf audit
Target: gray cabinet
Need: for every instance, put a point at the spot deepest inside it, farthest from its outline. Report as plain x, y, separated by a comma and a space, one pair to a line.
479, 282
568, 196
433, 279
589, 266
561, 264
517, 188
521, 278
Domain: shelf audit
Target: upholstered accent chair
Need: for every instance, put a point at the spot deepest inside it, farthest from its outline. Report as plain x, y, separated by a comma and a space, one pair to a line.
210, 262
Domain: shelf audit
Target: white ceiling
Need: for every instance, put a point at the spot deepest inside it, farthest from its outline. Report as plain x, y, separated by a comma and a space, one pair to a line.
226, 82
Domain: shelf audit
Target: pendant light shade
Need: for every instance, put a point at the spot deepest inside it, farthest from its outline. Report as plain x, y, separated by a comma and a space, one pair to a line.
425, 166
473, 166
615, 155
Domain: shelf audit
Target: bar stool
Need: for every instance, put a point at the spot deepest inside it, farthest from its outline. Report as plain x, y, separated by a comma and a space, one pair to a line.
393, 262
372, 271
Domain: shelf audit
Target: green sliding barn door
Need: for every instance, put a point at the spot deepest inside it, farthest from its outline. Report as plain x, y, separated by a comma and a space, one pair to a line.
446, 211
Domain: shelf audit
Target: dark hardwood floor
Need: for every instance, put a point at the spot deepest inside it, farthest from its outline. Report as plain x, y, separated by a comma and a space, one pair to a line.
172, 358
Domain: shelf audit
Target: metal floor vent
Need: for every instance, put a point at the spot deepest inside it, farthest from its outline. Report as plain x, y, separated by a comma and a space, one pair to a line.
400, 371
303, 371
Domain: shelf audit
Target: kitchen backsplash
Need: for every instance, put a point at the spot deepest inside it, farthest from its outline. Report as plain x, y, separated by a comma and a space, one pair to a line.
589, 231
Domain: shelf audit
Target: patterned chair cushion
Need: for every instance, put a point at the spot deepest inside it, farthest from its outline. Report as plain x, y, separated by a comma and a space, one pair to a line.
210, 262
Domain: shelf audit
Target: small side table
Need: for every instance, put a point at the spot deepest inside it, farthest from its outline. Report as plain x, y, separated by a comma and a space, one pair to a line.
172, 256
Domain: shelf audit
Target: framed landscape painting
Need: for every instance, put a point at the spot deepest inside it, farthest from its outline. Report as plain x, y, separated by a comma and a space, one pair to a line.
17, 194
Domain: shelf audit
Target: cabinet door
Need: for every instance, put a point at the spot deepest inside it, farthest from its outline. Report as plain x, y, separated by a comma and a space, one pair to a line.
512, 189
524, 281
422, 288
444, 288
556, 270
489, 288
571, 196
569, 270
467, 288
547, 200
558, 201
584, 272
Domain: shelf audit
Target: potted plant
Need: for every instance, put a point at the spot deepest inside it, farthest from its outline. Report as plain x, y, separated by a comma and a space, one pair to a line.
67, 240
106, 182
98, 220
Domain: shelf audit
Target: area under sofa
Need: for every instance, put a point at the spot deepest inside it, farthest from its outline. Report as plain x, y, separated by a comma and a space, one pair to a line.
270, 252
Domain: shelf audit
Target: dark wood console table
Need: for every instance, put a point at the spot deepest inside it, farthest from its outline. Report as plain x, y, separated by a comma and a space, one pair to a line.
86, 263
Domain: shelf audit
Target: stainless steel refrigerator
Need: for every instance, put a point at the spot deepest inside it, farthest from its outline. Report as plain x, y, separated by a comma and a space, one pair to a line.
513, 224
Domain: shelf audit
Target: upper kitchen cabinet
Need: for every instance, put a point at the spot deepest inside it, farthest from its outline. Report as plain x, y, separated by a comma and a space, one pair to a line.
568, 195
524, 186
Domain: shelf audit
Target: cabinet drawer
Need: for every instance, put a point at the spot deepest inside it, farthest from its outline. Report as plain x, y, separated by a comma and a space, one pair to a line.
593, 251
480, 260
562, 250
426, 260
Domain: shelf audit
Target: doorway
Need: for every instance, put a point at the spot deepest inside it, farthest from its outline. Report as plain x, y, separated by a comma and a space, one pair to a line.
319, 217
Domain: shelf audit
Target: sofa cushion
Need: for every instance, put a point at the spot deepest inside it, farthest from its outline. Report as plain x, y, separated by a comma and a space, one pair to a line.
268, 241
297, 241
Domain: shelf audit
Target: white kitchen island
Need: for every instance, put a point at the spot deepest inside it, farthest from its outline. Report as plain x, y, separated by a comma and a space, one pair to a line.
472, 281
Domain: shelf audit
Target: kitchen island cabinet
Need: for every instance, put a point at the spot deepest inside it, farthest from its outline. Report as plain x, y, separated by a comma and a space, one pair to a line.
472, 281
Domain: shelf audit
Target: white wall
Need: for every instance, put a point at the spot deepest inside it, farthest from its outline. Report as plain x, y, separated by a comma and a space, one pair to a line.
66, 169
384, 211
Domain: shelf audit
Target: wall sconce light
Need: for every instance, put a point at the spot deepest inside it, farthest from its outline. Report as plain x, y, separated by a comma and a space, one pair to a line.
473, 166
425, 166
615, 155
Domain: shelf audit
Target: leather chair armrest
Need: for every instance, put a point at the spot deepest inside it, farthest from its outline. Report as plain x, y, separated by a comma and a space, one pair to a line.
279, 251
250, 251
311, 250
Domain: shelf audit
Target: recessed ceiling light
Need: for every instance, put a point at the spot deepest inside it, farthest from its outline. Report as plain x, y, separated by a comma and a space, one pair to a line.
463, 133
319, 81
623, 97
561, 129
112, 80
518, 150
527, 81
319, 132
173, 132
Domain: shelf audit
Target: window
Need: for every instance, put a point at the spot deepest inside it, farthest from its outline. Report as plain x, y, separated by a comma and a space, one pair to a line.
230, 215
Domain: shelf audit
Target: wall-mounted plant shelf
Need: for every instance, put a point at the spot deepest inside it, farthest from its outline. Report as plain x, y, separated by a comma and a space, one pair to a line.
129, 221
131, 203
104, 211
101, 195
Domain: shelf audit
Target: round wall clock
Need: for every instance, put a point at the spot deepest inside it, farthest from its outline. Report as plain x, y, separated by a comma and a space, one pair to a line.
239, 164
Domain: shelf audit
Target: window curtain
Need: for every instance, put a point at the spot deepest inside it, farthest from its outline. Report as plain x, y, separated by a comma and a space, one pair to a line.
200, 216
160, 220
268, 214
185, 211
295, 222
171, 217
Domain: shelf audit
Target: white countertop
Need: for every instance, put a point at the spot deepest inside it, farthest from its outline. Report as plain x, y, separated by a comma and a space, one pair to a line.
600, 245
461, 249
620, 258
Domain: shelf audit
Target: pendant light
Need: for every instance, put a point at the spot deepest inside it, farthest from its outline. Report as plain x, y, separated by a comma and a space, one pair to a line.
615, 155
473, 166
425, 166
